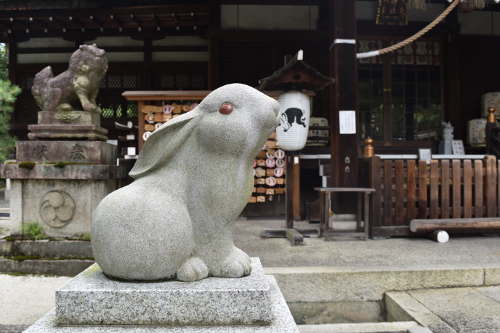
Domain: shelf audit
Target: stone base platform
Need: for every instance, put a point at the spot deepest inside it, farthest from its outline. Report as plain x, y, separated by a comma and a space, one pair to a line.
93, 303
67, 132
68, 125
31, 197
69, 117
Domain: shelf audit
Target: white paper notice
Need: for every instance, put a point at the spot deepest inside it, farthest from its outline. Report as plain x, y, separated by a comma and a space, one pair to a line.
347, 122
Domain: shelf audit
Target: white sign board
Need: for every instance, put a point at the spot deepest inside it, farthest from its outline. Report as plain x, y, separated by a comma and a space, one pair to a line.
457, 147
347, 122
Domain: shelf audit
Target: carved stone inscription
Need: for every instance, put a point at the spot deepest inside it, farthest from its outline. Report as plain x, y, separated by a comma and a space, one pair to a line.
57, 208
39, 152
77, 154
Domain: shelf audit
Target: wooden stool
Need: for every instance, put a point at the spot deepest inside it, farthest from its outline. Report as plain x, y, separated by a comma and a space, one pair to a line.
324, 211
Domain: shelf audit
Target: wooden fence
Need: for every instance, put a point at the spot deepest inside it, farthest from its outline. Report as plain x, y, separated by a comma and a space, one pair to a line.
411, 189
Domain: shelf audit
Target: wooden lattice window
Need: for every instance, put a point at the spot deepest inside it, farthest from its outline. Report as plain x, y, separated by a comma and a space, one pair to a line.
181, 81
110, 98
400, 92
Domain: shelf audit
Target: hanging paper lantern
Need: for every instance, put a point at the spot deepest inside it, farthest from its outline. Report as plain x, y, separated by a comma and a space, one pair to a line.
295, 109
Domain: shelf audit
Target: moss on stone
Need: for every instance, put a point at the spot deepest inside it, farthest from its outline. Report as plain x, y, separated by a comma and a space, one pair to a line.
27, 165
63, 164
22, 258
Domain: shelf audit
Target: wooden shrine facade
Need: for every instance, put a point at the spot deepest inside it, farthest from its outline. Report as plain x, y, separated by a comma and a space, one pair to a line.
197, 45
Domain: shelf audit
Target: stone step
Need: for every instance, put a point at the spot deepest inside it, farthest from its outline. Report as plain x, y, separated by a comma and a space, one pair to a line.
68, 249
448, 310
316, 284
393, 327
45, 266
5, 214
50, 257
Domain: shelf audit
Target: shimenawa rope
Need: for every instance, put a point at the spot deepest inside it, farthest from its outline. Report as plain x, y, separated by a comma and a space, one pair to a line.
412, 38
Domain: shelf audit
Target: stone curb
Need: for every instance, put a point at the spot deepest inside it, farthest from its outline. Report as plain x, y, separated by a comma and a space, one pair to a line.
402, 306
330, 284
47, 248
396, 327
45, 267
13, 328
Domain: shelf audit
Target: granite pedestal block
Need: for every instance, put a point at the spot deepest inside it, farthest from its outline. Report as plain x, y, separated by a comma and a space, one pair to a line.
93, 303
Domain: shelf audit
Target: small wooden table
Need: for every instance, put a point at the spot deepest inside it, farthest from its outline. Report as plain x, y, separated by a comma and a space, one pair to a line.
324, 211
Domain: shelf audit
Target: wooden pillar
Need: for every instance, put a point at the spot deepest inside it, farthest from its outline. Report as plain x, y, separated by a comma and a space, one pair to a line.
12, 65
289, 191
343, 67
214, 46
148, 60
490, 125
296, 189
452, 83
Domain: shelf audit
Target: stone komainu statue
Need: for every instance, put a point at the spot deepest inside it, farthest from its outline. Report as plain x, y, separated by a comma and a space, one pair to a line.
77, 87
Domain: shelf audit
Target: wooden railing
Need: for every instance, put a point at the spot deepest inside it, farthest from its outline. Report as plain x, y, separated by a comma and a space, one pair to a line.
411, 189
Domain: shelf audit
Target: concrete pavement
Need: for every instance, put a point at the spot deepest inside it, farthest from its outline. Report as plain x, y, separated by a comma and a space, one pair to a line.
449, 309
326, 282
25, 299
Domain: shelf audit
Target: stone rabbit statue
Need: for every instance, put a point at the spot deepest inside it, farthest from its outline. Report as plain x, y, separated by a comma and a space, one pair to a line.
192, 180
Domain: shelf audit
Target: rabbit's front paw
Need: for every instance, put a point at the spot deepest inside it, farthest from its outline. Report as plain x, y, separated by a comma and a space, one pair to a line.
193, 269
237, 264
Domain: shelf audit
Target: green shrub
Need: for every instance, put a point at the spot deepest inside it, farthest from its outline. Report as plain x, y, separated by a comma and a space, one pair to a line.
33, 230
8, 94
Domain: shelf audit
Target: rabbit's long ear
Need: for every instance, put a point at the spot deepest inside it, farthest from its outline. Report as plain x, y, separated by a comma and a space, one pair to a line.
164, 143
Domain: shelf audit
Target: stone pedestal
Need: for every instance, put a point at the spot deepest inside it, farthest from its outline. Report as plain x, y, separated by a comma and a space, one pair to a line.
68, 125
93, 303
63, 188
445, 147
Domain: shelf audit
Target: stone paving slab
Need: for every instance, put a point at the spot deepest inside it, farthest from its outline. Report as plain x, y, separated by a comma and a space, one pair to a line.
293, 266
449, 309
24, 299
492, 292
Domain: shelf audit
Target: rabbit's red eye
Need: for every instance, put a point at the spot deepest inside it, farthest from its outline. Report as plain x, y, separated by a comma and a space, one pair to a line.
226, 108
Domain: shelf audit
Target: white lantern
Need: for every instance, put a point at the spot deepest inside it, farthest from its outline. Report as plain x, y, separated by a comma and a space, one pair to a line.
295, 109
